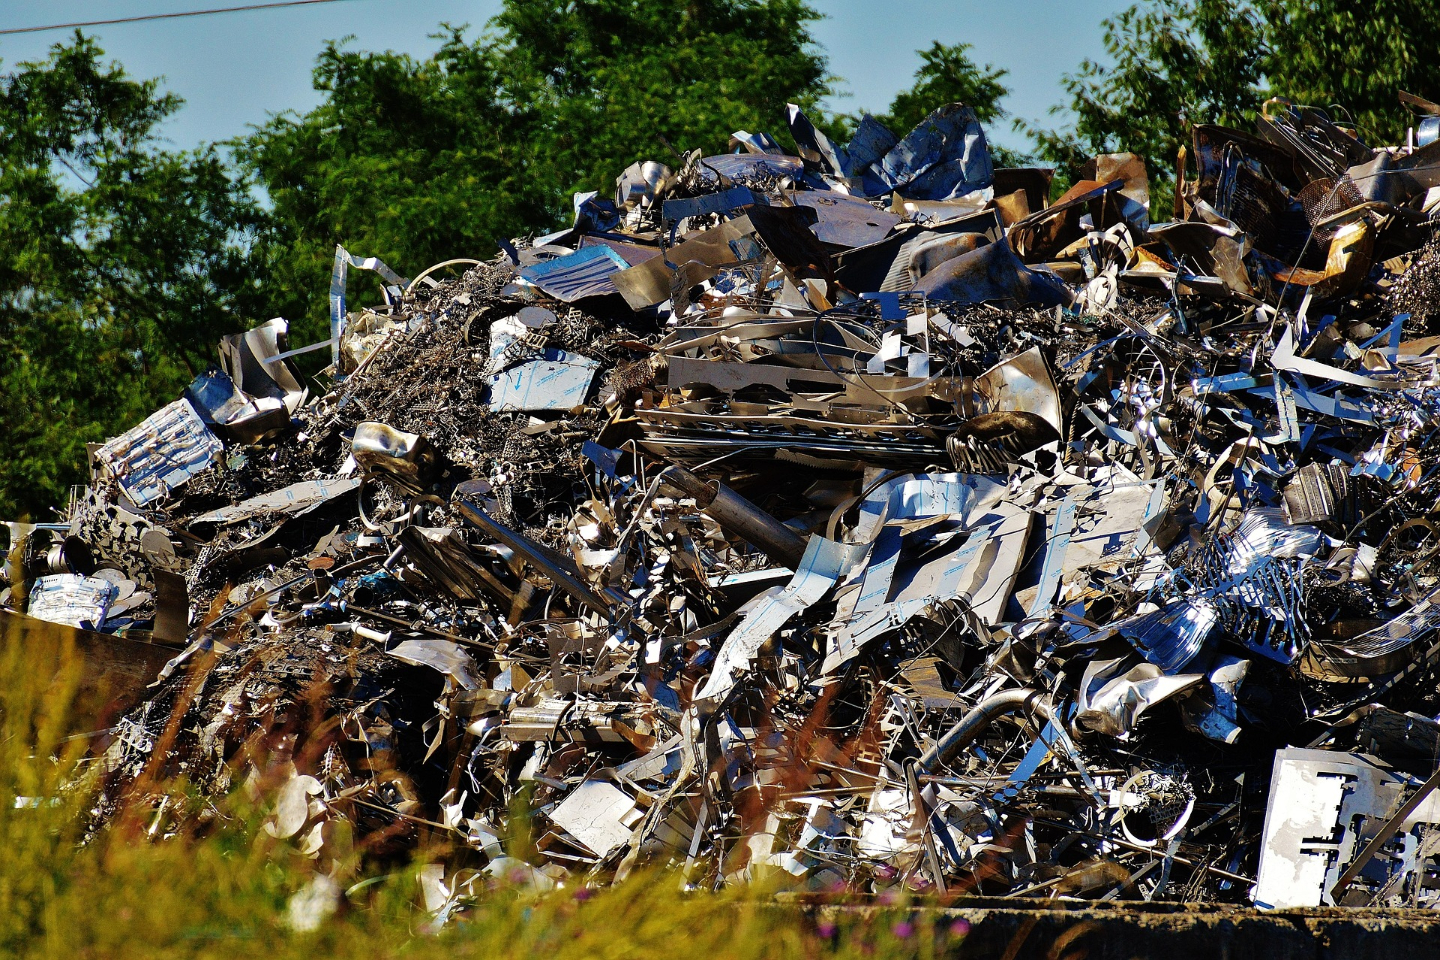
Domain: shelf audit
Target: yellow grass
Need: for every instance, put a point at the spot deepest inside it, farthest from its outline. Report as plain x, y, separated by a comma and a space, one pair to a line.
227, 890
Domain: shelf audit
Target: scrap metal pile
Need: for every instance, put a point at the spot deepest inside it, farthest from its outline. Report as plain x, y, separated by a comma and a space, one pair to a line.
860, 516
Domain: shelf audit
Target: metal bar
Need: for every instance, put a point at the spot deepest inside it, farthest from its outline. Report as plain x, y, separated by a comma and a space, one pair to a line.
556, 567
1150, 850
1387, 832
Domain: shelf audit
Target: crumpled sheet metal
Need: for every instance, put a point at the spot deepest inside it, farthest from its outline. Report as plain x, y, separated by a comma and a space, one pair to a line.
993, 273
71, 599
1102, 561
162, 453
1325, 807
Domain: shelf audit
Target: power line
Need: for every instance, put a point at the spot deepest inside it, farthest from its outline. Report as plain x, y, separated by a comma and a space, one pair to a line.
164, 16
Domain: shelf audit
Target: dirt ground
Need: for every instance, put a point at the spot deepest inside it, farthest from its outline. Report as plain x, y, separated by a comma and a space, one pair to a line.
1016, 930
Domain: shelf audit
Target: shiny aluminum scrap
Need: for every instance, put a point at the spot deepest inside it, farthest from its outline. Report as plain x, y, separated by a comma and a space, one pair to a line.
862, 516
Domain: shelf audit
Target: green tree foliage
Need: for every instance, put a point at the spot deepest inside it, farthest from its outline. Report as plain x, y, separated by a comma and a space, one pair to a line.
420, 161
120, 265
411, 161
1172, 64
1355, 56
946, 75
604, 78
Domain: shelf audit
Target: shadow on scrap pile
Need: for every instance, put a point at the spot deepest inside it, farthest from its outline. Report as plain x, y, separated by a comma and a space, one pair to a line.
863, 517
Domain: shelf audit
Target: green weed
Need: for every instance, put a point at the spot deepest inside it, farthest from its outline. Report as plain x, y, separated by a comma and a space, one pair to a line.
139, 888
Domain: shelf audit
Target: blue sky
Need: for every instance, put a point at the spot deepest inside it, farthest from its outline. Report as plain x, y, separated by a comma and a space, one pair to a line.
235, 69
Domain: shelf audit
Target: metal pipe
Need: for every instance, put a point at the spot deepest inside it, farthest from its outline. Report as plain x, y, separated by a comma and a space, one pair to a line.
986, 712
739, 516
560, 570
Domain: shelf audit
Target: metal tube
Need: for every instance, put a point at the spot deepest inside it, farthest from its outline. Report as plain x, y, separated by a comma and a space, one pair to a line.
986, 712
557, 568
739, 516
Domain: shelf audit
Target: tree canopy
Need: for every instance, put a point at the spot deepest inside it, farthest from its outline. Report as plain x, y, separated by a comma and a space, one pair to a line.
946, 75
1172, 64
1177, 62
418, 161
123, 261
1353, 58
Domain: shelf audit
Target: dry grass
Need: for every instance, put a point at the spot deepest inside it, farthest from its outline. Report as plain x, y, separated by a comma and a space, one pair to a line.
228, 891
